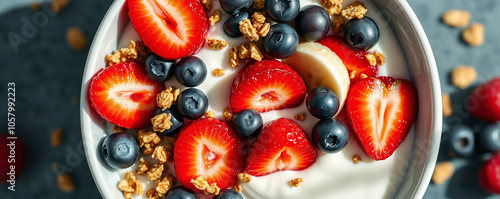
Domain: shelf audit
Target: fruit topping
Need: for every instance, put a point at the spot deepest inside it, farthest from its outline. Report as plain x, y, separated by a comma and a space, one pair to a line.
180, 192
176, 120
232, 6
228, 194
192, 103
266, 85
322, 103
312, 23
361, 33
159, 69
320, 67
209, 148
281, 41
120, 150
330, 135
460, 142
484, 103
354, 60
172, 29
124, 95
232, 25
191, 71
282, 145
381, 111
489, 177
489, 137
282, 10
248, 123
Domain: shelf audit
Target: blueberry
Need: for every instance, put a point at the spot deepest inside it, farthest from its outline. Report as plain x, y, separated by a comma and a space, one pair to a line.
228, 194
489, 137
281, 41
230, 6
120, 150
330, 135
176, 119
192, 103
191, 71
460, 142
361, 33
312, 23
282, 10
232, 26
322, 103
180, 193
248, 123
159, 69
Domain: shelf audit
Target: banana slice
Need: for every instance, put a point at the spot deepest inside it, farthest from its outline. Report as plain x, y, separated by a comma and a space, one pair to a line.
319, 66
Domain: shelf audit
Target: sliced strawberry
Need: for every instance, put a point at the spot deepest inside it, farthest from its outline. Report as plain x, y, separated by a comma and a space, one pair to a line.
172, 29
489, 175
381, 112
208, 147
353, 59
266, 85
484, 103
282, 145
124, 95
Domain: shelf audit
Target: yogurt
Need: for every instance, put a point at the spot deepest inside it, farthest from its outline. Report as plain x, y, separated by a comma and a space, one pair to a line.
332, 175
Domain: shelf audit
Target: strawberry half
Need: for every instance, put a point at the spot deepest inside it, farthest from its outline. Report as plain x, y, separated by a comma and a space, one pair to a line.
282, 145
208, 147
484, 103
353, 59
266, 85
172, 29
124, 95
381, 111
489, 175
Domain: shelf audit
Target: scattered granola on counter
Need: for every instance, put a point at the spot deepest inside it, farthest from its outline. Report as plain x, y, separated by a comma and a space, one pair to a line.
447, 105
75, 38
442, 172
456, 18
463, 76
56, 137
65, 183
474, 34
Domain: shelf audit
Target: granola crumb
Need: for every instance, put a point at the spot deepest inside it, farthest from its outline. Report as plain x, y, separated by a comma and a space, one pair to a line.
143, 167
56, 137
442, 172
333, 7
167, 97
474, 34
57, 5
161, 122
216, 44
379, 57
128, 185
447, 105
463, 76
237, 187
147, 140
163, 153
354, 12
234, 60
65, 183
136, 51
210, 114
201, 184
356, 159
362, 76
244, 177
164, 185
207, 4
352, 74
300, 116
371, 59
456, 18
152, 194
228, 116
219, 72
156, 172
338, 24
258, 4
214, 18
75, 38
248, 31
295, 182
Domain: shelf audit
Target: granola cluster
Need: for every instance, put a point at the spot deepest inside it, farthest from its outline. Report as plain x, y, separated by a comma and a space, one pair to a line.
244, 53
371, 59
163, 153
256, 28
463, 76
147, 141
76, 39
129, 184
201, 184
215, 17
144, 167
167, 97
333, 7
65, 183
136, 51
351, 12
244, 177
216, 44
161, 122
156, 172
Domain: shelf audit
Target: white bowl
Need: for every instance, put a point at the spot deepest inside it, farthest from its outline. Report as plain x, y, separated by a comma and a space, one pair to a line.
421, 67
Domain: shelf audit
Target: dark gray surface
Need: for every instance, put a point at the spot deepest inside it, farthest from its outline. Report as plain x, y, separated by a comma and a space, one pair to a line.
48, 74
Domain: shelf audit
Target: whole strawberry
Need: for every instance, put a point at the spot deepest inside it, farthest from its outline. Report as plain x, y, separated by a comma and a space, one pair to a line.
489, 175
484, 103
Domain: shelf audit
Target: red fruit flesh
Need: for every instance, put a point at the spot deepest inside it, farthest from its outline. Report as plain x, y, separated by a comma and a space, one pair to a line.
381, 112
353, 59
484, 103
282, 145
13, 153
266, 85
489, 175
172, 29
209, 148
124, 95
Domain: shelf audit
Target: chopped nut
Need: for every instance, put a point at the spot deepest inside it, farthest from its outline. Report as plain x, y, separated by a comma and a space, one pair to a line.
163, 153
371, 59
210, 114
65, 183
161, 122
234, 60
447, 105
474, 34
248, 31
201, 184
147, 140
57, 5
338, 24
300, 116
136, 51
237, 187
456, 18
244, 177
258, 4
152, 194
352, 74
356, 159
333, 7
162, 186
207, 4
167, 97
228, 116
216, 44
442, 172
379, 57
362, 76
215, 17
76, 39
356, 3
463, 76
143, 167
354, 12
156, 172
295, 182
56, 137
219, 72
